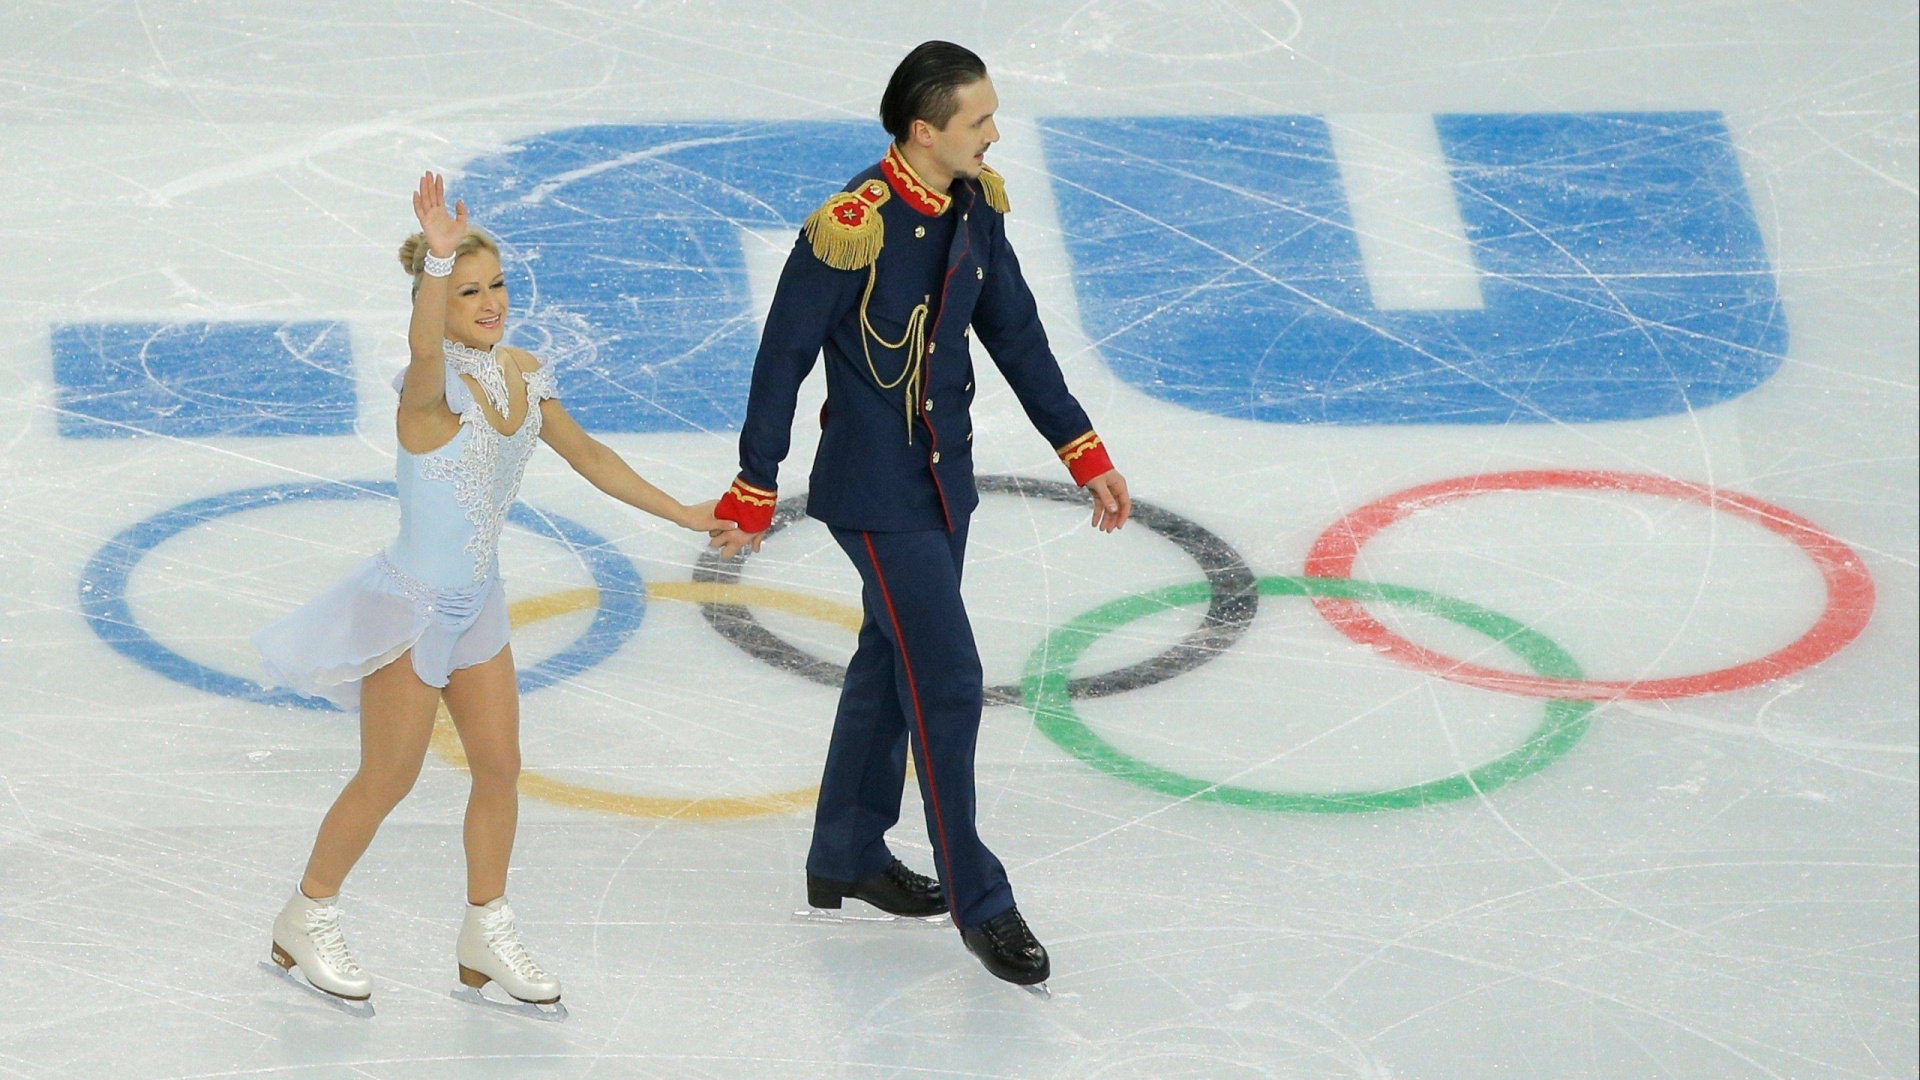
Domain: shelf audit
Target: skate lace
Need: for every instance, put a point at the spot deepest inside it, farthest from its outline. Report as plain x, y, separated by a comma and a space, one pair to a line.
323, 929
903, 876
1010, 931
503, 937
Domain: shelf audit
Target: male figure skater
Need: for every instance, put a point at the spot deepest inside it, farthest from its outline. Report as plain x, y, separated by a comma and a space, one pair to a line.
890, 276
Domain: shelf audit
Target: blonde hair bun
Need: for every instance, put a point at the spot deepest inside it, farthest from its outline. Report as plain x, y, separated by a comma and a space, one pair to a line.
413, 252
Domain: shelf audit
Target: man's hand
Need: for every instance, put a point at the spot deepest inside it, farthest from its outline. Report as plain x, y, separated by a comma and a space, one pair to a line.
732, 541
1111, 506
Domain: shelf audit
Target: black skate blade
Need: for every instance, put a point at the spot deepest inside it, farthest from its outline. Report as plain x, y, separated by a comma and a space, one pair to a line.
362, 1010
553, 1014
875, 917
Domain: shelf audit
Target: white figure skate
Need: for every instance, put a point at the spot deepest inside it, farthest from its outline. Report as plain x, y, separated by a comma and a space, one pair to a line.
490, 951
310, 952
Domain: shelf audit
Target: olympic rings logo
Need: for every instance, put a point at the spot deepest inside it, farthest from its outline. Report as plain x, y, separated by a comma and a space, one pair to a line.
1231, 598
1049, 687
104, 603
536, 785
617, 599
1849, 603
1045, 688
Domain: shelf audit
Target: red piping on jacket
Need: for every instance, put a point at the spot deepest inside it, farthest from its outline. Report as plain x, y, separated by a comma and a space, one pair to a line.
920, 407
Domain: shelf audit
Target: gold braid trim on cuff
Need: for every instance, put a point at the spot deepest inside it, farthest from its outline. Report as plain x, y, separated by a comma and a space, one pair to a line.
1072, 452
751, 495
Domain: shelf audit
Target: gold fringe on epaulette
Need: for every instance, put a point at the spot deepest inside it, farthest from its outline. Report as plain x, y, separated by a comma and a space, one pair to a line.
843, 246
994, 187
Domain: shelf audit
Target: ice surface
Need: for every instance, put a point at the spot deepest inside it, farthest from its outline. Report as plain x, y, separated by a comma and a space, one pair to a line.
1294, 258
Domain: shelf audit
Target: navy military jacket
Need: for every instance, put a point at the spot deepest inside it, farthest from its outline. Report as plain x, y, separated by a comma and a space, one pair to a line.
890, 280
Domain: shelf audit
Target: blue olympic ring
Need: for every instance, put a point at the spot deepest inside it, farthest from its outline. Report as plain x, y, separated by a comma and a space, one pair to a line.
103, 589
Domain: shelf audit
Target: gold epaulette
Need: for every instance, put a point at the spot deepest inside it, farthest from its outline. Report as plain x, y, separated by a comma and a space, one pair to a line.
846, 232
994, 187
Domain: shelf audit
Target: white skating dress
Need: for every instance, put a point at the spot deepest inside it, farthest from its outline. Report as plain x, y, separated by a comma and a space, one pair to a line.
436, 589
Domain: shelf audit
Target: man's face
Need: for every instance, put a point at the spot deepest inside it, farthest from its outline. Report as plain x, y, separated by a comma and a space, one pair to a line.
961, 146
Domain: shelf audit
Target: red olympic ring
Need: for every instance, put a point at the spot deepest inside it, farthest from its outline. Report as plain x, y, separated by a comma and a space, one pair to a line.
1850, 591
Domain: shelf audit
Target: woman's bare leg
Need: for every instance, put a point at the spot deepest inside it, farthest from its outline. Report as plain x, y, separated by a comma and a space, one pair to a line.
485, 703
396, 721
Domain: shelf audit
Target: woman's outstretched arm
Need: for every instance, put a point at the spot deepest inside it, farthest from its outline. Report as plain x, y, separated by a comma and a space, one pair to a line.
609, 472
426, 383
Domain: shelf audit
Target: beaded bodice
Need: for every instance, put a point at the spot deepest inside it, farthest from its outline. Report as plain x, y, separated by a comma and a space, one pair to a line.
454, 500
485, 369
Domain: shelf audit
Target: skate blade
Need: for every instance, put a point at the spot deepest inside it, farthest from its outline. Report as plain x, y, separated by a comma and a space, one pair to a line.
832, 916
360, 1009
554, 1013
1040, 991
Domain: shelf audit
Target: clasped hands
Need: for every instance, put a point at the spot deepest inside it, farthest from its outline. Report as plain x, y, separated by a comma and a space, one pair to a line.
732, 541
1111, 508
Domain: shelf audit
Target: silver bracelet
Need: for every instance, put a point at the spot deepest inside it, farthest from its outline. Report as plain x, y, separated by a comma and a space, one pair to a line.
435, 266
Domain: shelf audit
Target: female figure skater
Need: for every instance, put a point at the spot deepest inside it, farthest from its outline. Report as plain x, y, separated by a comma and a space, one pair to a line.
426, 619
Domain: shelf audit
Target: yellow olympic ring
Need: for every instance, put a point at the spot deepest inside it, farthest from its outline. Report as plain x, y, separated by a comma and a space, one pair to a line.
446, 740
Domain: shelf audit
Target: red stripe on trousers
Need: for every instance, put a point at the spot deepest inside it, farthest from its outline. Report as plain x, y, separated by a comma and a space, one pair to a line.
919, 720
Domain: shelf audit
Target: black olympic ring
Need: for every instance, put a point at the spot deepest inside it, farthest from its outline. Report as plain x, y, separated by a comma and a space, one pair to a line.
1236, 599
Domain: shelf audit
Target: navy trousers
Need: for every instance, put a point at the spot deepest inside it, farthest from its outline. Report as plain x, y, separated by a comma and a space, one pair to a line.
914, 678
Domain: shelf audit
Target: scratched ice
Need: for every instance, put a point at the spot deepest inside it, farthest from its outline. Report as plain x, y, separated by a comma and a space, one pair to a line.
1625, 299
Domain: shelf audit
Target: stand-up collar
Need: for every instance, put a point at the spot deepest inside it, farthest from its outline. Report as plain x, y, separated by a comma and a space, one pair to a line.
907, 184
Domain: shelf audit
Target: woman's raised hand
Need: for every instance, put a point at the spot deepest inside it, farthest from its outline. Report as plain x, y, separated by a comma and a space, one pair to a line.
430, 206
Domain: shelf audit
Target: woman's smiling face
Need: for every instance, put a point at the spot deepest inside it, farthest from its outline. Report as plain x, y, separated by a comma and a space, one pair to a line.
477, 301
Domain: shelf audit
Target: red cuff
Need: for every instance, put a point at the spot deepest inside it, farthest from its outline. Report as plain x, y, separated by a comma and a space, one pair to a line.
749, 507
1086, 457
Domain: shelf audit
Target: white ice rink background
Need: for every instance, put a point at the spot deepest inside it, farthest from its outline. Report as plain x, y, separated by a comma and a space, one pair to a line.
1513, 674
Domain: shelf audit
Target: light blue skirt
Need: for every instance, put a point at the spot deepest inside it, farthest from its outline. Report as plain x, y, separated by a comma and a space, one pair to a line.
369, 619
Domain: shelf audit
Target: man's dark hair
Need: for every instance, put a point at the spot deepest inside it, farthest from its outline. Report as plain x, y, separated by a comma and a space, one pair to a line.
922, 87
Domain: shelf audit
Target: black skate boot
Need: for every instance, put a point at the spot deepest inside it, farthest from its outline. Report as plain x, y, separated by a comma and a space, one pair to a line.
1008, 949
895, 890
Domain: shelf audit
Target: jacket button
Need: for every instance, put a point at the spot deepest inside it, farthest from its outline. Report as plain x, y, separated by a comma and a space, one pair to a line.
936, 457
963, 217
919, 231
929, 404
969, 436
979, 273
932, 345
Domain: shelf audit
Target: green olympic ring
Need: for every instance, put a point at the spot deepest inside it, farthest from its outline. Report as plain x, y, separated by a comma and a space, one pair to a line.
1044, 692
